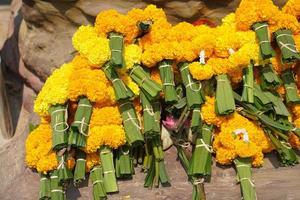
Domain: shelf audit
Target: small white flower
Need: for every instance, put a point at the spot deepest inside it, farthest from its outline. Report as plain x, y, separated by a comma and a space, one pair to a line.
202, 57
244, 132
231, 51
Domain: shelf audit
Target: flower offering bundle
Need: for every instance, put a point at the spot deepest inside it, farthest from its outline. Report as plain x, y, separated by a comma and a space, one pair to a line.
138, 85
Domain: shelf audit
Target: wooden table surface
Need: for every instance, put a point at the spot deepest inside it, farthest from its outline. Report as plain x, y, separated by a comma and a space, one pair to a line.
272, 183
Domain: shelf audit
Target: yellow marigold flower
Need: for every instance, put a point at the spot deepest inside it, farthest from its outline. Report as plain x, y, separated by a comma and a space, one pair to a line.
285, 21
250, 144
232, 66
159, 28
112, 97
151, 12
208, 112
297, 122
258, 159
38, 149
180, 47
159, 32
90, 83
229, 20
158, 52
87, 43
92, 159
45, 119
200, 71
296, 112
47, 163
130, 83
224, 156
292, 7
186, 51
55, 90
224, 42
251, 11
111, 100
244, 37
112, 21
105, 116
175, 33
80, 62
255, 132
133, 55
110, 135
246, 149
204, 42
244, 55
228, 38
220, 65
227, 140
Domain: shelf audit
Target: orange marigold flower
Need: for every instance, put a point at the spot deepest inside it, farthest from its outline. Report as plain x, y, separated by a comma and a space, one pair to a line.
38, 151
92, 159
90, 83
208, 112
110, 135
251, 11
156, 76
105, 116
294, 141
112, 21
292, 7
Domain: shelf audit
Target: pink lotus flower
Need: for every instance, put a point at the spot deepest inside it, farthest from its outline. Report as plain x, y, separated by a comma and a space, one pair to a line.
170, 122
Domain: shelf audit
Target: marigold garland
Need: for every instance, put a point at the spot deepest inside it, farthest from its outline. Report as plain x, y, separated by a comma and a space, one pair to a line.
133, 55
80, 62
232, 65
103, 135
55, 90
285, 21
229, 39
105, 116
251, 11
292, 7
87, 43
129, 82
225, 49
112, 21
251, 145
159, 26
38, 149
90, 83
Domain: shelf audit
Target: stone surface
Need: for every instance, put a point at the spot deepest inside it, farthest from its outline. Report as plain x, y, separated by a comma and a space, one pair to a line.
4, 16
50, 24
39, 40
